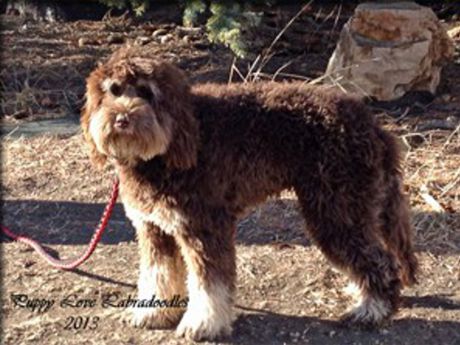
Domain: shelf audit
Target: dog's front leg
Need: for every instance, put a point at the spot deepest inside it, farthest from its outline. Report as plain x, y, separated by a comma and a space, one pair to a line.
161, 277
210, 260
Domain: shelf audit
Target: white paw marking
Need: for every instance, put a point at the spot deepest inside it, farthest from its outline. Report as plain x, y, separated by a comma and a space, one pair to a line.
370, 310
209, 314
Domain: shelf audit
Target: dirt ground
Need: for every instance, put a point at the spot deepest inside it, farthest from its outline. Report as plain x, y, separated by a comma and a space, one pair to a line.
287, 293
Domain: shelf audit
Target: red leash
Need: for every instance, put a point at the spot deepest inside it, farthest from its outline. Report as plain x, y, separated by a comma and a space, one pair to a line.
74, 262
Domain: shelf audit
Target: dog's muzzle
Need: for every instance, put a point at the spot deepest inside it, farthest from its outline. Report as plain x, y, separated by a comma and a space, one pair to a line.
121, 121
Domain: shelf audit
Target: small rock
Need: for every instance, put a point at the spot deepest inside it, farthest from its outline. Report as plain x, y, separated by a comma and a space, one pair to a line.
21, 114
159, 32
294, 336
166, 38
454, 33
450, 123
26, 249
29, 263
115, 39
184, 30
447, 98
83, 41
186, 39
142, 40
33, 337
46, 102
201, 45
52, 288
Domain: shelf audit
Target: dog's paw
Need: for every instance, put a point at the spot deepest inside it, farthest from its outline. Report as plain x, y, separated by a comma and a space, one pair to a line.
198, 328
154, 318
369, 314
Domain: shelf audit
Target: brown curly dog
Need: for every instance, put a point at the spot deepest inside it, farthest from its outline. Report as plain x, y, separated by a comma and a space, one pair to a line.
192, 160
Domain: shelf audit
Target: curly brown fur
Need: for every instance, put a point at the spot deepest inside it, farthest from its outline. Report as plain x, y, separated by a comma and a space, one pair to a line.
191, 161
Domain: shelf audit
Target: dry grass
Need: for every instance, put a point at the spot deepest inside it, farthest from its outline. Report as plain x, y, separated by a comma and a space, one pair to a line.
433, 178
51, 168
27, 90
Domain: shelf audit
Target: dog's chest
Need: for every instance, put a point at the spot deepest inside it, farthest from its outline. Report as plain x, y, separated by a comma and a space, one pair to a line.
159, 213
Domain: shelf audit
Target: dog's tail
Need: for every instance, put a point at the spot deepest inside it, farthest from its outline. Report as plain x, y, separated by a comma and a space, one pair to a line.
396, 224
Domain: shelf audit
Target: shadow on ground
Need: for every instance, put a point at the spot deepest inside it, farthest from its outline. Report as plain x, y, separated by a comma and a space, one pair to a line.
260, 327
276, 222
63, 222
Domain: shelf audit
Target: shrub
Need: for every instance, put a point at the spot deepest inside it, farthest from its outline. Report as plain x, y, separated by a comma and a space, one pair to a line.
138, 6
227, 23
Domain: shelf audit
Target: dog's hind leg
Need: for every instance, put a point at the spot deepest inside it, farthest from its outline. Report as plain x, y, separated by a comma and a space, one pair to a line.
344, 225
395, 216
161, 276
397, 230
210, 261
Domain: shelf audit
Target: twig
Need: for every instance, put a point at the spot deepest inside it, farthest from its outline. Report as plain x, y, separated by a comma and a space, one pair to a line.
230, 76
296, 76
337, 17
413, 134
278, 71
243, 78
403, 115
267, 54
253, 65
449, 138
451, 184
430, 200
11, 132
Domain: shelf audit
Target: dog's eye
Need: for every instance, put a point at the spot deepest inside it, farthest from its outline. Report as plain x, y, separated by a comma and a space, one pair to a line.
144, 92
116, 90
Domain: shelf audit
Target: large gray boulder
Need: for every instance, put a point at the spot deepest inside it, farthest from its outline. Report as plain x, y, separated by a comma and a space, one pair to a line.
388, 49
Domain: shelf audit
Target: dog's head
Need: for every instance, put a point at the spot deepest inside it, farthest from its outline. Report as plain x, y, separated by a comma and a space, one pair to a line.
138, 108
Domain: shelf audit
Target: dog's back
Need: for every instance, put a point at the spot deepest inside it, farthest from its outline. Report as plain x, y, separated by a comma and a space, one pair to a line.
289, 125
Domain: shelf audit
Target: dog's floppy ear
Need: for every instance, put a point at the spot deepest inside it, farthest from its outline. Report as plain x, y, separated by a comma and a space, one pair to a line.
176, 101
93, 96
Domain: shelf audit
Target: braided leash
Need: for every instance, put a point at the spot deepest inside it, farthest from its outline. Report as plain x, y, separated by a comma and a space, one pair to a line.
69, 264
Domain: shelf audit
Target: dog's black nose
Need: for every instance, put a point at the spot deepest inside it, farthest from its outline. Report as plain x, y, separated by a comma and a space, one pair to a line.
121, 121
